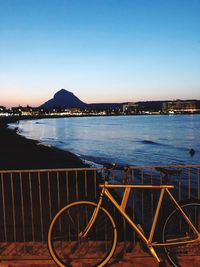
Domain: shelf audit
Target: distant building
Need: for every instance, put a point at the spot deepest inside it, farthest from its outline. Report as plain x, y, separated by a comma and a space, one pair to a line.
25, 111
180, 106
4, 111
130, 108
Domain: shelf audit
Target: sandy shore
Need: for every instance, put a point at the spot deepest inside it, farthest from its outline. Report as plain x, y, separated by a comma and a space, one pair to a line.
17, 152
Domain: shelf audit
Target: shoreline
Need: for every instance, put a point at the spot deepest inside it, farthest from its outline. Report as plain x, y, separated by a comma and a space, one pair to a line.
20, 153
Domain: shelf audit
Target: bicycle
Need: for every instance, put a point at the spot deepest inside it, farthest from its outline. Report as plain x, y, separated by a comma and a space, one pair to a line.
85, 232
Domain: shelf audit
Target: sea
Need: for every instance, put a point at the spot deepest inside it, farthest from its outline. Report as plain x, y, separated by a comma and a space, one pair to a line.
140, 140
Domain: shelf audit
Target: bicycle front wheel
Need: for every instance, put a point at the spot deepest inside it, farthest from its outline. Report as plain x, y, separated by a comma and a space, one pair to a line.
176, 229
66, 246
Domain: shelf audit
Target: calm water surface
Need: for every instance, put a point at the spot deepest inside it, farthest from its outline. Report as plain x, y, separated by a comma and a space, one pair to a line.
131, 140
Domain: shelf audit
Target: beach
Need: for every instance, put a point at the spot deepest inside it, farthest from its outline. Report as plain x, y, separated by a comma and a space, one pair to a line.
19, 153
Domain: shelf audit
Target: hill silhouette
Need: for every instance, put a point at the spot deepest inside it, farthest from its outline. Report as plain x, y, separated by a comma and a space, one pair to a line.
64, 99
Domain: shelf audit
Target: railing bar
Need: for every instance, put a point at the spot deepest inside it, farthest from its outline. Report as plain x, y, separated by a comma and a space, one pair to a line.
58, 191
129, 176
133, 217
133, 203
76, 174
170, 180
179, 185
67, 186
41, 210
89, 169
165, 166
4, 208
31, 202
86, 178
13, 207
142, 182
123, 175
132, 175
142, 178
22, 204
198, 183
113, 175
189, 191
48, 170
58, 188
49, 195
95, 184
161, 178
152, 198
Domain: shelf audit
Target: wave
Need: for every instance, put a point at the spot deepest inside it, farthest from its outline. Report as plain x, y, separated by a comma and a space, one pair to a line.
98, 160
38, 122
149, 142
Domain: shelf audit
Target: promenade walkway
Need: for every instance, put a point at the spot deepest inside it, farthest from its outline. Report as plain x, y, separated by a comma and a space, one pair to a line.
137, 258
129, 261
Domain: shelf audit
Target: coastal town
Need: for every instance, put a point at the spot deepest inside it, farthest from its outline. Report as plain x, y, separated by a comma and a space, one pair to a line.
129, 108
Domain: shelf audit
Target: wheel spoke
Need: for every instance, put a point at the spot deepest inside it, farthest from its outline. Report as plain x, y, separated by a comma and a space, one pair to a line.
65, 243
177, 230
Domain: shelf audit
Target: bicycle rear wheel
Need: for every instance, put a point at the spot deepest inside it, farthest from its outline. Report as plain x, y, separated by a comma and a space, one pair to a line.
177, 229
64, 242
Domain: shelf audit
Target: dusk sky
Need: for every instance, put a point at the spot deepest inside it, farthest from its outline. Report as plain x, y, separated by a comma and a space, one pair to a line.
101, 50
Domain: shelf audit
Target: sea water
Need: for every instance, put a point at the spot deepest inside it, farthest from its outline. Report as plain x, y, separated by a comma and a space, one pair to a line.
142, 140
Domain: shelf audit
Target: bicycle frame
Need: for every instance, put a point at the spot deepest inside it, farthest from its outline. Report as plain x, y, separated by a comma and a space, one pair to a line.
121, 208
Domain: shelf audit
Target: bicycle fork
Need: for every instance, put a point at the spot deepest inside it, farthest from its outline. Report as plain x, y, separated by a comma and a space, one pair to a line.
84, 233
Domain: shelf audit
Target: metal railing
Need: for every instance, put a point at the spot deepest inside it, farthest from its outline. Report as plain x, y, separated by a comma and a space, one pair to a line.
30, 198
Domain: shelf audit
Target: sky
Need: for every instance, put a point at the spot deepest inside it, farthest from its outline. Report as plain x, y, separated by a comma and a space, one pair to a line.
101, 50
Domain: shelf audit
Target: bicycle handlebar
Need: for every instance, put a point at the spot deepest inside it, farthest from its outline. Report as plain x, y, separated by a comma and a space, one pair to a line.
114, 166
111, 167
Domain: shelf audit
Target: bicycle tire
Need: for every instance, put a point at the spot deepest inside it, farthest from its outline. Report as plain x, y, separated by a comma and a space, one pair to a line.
175, 226
65, 246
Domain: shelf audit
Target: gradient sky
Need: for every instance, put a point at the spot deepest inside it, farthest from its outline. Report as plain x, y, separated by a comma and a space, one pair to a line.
101, 50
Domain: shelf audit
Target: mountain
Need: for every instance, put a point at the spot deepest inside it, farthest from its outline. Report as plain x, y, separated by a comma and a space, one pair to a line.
64, 99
